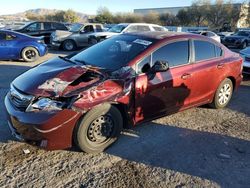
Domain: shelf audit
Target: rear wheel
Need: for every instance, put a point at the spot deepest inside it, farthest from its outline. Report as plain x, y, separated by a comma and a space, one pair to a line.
69, 45
223, 94
92, 41
98, 129
30, 54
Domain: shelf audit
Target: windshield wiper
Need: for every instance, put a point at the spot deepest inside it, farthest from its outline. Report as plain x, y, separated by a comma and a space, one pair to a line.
66, 59
80, 61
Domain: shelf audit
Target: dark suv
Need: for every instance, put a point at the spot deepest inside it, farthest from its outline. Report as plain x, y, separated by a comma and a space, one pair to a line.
240, 39
41, 29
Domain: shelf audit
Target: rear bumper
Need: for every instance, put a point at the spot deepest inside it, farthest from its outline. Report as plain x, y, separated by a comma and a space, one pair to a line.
49, 130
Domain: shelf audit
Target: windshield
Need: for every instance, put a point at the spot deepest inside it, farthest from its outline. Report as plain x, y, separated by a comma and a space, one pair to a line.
76, 27
117, 28
242, 33
114, 53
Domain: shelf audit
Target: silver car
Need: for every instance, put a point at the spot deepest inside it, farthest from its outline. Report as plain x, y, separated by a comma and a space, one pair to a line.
77, 36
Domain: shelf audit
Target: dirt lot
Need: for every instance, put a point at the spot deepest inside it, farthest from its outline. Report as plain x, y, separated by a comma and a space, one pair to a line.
200, 147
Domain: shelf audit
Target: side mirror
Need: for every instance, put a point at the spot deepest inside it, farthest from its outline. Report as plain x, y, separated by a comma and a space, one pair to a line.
160, 66
27, 29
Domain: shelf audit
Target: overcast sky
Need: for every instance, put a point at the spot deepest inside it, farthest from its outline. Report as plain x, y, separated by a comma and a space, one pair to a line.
88, 6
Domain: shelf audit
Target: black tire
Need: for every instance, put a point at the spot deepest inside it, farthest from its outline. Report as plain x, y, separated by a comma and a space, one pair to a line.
29, 54
92, 41
98, 129
223, 95
69, 45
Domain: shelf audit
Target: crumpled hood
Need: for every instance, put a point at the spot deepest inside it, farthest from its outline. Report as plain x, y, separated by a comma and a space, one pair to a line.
61, 34
49, 79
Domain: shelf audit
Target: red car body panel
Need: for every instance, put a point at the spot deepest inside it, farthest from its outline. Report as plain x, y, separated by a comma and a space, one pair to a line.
140, 98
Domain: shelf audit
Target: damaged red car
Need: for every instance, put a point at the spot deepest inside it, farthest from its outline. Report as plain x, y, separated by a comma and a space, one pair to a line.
88, 98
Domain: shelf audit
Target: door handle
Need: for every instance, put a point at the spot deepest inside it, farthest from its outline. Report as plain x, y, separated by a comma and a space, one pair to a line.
186, 76
220, 65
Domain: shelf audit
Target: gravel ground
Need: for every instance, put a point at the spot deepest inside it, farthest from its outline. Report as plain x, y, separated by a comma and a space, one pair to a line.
200, 147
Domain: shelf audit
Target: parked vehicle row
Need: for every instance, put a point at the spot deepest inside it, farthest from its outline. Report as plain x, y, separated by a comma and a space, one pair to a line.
88, 98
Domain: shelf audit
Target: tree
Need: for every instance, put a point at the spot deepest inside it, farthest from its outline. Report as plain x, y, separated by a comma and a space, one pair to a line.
127, 18
198, 13
71, 16
152, 17
168, 20
184, 17
104, 15
35, 17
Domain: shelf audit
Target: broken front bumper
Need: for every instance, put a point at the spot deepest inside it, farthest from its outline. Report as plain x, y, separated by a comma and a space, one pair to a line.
50, 130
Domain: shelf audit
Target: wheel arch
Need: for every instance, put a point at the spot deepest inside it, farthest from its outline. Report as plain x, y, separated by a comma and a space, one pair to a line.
233, 81
33, 46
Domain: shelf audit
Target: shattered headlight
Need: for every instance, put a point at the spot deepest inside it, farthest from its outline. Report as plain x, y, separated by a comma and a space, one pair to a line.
45, 104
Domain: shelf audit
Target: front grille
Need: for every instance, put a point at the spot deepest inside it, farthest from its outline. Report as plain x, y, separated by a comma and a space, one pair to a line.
19, 100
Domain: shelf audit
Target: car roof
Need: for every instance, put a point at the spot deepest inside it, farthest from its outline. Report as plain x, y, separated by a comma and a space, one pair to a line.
140, 24
159, 34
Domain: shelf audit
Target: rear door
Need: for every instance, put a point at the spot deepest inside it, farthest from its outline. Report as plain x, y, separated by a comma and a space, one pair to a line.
164, 92
208, 67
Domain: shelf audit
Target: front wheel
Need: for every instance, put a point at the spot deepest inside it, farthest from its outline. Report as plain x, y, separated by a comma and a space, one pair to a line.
98, 129
69, 45
223, 94
30, 54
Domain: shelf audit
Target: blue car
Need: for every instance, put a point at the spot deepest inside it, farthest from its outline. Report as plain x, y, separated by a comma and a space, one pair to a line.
15, 45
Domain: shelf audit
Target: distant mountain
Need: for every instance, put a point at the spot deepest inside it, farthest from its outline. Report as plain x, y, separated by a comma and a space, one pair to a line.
40, 11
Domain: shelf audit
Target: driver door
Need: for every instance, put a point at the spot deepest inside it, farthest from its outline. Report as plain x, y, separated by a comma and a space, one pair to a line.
166, 92
83, 35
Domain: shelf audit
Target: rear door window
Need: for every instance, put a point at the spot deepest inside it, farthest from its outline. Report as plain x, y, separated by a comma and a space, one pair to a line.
158, 28
218, 51
58, 26
47, 26
204, 50
98, 28
143, 28
176, 53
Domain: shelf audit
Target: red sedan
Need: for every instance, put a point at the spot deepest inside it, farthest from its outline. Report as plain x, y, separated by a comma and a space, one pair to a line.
126, 80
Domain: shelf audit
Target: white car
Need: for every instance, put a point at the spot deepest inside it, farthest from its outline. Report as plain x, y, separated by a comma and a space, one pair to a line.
245, 54
124, 28
209, 34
